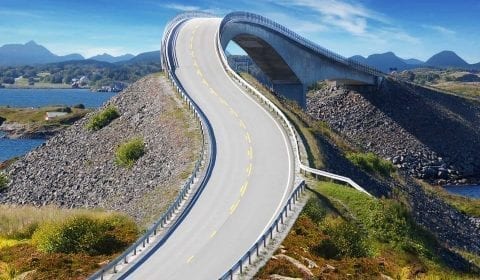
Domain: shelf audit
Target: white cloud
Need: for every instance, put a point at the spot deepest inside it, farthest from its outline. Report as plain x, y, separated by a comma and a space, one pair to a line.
181, 7
440, 29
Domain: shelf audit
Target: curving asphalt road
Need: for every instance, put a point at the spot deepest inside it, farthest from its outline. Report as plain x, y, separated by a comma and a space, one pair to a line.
251, 179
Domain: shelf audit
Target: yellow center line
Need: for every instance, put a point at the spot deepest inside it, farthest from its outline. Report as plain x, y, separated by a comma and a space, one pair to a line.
190, 259
242, 124
212, 91
213, 234
223, 101
233, 112
250, 152
243, 188
205, 82
234, 206
247, 137
249, 169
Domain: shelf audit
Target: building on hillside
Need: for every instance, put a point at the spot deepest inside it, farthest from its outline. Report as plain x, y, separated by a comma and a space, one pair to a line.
53, 115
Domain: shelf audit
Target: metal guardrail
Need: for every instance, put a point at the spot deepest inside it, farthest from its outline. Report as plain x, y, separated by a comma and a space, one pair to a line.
295, 143
263, 21
204, 161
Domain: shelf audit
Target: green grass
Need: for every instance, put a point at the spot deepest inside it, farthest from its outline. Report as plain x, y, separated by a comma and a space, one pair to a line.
129, 152
3, 181
37, 115
103, 118
372, 164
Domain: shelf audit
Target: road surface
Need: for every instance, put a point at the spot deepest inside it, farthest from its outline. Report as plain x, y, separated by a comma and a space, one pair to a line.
250, 182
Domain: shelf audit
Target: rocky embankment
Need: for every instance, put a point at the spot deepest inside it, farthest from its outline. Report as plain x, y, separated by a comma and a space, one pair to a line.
428, 134
76, 168
417, 129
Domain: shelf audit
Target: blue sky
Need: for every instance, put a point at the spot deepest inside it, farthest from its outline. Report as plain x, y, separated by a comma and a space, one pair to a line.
410, 28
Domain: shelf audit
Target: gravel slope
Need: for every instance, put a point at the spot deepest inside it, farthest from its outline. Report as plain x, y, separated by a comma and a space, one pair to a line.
76, 168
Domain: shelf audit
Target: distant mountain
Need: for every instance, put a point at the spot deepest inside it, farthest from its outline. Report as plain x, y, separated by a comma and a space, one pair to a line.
146, 57
413, 61
112, 59
383, 61
29, 54
359, 58
446, 59
388, 60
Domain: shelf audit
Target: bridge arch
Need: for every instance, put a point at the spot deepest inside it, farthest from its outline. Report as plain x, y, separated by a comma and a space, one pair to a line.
290, 61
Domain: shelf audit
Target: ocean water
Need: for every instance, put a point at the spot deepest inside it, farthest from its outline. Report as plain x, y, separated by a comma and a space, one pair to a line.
39, 98
47, 97
470, 191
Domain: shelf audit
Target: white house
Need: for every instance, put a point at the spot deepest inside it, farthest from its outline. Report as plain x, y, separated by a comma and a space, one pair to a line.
53, 115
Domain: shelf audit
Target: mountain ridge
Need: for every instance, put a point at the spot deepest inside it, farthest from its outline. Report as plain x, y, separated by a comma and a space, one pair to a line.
32, 53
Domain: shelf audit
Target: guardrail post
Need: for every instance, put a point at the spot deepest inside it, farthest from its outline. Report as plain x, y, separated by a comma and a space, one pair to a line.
241, 267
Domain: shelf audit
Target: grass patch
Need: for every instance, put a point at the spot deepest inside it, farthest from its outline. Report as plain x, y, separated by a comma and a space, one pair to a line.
371, 163
77, 240
103, 118
37, 115
129, 152
3, 181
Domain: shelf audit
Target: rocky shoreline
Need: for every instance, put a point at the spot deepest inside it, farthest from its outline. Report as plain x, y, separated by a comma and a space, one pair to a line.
13, 130
429, 135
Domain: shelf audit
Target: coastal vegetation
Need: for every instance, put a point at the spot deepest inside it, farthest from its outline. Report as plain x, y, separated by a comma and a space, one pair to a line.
3, 181
61, 75
37, 115
349, 234
103, 118
54, 243
129, 152
371, 163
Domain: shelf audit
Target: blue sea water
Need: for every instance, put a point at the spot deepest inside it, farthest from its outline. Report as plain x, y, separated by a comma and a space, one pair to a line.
471, 191
39, 98
47, 97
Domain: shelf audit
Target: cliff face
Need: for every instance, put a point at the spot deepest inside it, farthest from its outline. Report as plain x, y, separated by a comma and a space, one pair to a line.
76, 167
428, 134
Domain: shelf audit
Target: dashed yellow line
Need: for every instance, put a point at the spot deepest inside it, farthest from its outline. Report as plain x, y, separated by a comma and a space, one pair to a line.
250, 152
199, 73
224, 102
234, 206
190, 259
212, 91
213, 234
249, 169
247, 137
233, 112
243, 188
205, 82
242, 124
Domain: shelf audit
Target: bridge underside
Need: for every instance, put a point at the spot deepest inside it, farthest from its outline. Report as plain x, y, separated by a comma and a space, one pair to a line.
291, 67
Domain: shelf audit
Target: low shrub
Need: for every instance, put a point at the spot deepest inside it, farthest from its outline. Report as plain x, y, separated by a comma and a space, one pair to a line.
3, 181
85, 234
129, 152
103, 118
314, 210
346, 239
371, 163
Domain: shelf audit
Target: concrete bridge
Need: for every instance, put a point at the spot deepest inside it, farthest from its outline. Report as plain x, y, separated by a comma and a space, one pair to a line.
292, 63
